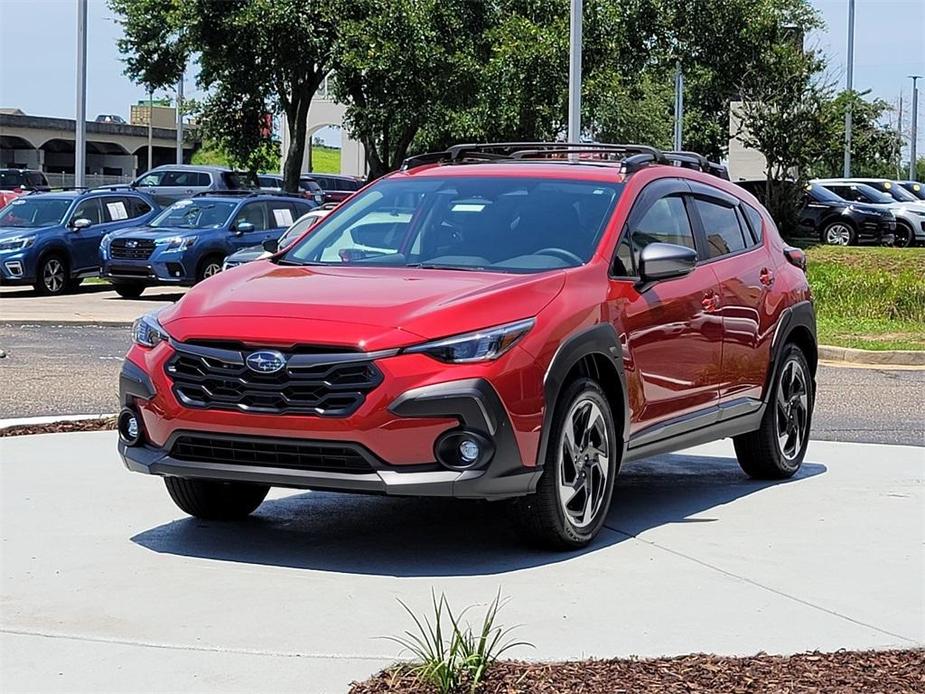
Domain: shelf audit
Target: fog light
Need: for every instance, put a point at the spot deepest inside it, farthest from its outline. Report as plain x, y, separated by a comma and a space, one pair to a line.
469, 451
129, 427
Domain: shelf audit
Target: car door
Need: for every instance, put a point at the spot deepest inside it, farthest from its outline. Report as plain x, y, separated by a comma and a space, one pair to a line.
254, 213
84, 243
670, 331
746, 273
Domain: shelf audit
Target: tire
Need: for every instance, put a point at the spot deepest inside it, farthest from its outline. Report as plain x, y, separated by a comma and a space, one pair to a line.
777, 448
549, 517
51, 275
210, 265
904, 236
212, 500
128, 290
839, 233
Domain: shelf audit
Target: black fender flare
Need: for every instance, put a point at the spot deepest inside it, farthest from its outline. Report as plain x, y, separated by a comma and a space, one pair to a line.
801, 316
55, 247
600, 339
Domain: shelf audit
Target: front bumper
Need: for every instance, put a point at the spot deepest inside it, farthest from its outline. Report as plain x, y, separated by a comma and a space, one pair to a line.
153, 270
472, 403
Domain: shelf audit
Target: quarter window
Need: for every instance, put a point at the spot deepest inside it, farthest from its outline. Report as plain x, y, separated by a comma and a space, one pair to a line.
721, 228
754, 221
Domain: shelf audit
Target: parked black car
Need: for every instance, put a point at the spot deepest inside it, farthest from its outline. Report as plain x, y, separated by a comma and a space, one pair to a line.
838, 222
22, 180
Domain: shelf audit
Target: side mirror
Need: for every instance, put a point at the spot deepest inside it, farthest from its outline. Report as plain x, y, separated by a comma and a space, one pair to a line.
663, 261
82, 223
243, 227
270, 245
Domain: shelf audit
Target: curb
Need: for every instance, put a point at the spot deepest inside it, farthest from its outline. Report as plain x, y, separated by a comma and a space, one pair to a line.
850, 355
17, 422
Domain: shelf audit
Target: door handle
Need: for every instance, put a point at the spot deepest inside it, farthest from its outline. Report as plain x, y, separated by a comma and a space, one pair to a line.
766, 277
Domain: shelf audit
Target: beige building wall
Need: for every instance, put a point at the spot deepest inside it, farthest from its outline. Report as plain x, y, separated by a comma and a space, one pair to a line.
745, 163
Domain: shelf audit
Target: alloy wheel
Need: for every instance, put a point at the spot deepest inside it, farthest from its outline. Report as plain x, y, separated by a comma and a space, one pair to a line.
584, 462
53, 275
792, 410
902, 237
838, 235
211, 269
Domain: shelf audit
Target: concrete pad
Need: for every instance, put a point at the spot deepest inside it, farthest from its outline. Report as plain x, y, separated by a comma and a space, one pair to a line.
99, 567
90, 304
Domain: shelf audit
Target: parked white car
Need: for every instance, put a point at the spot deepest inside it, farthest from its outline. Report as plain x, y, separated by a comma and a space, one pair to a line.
294, 232
909, 210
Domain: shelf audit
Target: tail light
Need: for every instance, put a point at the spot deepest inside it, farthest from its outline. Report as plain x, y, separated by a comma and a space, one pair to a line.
795, 256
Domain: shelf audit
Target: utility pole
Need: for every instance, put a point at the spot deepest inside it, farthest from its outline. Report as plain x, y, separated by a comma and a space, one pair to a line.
915, 126
150, 128
850, 88
899, 129
80, 136
678, 108
574, 72
180, 120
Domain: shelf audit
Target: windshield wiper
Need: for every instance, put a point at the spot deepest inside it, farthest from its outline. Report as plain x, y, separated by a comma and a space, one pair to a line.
438, 266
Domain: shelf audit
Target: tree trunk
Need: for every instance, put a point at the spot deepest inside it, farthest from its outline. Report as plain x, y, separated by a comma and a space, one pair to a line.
297, 121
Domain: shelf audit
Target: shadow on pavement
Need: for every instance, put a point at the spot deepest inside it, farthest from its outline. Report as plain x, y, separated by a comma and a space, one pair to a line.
447, 537
29, 292
147, 297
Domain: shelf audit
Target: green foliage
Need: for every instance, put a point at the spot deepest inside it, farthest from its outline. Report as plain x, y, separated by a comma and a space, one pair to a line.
872, 298
447, 653
325, 159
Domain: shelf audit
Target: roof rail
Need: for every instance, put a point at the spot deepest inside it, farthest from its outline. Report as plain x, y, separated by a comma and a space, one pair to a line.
693, 160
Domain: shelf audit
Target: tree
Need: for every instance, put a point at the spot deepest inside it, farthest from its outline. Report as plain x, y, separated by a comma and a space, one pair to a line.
400, 65
255, 56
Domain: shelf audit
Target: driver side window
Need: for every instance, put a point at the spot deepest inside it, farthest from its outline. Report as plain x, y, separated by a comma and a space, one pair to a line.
151, 179
88, 209
666, 221
252, 213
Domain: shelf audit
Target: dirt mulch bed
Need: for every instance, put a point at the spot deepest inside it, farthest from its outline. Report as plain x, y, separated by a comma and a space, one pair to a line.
892, 672
99, 424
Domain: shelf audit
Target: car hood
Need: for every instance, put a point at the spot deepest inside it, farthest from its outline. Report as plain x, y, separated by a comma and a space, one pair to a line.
16, 232
366, 308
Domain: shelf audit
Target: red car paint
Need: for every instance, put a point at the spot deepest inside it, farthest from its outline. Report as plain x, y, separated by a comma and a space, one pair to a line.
686, 343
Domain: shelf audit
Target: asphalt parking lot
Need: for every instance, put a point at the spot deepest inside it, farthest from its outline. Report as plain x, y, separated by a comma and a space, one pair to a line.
105, 582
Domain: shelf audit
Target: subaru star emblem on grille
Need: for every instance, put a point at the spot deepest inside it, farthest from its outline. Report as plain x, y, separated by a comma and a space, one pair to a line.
132, 243
266, 361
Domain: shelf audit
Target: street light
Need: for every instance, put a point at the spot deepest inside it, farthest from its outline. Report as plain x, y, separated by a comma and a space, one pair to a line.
80, 135
850, 88
574, 72
915, 126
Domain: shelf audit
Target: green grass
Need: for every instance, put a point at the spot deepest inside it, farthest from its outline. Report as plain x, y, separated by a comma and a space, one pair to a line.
325, 159
869, 298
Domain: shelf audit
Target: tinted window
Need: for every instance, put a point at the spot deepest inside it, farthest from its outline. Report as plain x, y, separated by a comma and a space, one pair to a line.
88, 209
240, 180
252, 213
137, 207
281, 214
493, 223
665, 222
34, 211
116, 209
721, 227
754, 221
11, 179
36, 178
186, 179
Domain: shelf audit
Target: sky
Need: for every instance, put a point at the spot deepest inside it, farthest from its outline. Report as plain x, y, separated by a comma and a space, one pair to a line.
37, 67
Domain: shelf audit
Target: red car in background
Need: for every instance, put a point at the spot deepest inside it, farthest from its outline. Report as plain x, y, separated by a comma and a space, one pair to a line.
500, 321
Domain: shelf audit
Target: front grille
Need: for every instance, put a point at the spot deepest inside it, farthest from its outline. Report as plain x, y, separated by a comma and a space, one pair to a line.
131, 249
328, 385
292, 454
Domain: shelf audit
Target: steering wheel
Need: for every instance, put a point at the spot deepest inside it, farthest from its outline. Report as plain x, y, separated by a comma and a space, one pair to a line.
560, 253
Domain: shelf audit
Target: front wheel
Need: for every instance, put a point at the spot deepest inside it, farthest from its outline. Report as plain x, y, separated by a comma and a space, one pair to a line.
212, 500
582, 460
777, 448
212, 265
128, 290
903, 237
839, 233
52, 276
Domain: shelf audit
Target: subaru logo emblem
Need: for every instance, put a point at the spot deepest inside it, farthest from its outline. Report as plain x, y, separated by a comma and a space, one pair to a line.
266, 361
131, 243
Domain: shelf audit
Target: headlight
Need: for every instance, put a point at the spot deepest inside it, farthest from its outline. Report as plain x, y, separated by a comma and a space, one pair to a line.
147, 331
483, 345
175, 244
17, 244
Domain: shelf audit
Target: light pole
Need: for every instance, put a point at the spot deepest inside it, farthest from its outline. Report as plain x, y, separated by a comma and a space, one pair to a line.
574, 72
850, 88
80, 136
678, 108
915, 126
150, 128
180, 120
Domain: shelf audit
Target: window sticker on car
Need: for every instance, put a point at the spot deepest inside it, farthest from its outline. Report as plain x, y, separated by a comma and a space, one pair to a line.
283, 217
18, 202
117, 210
183, 203
468, 207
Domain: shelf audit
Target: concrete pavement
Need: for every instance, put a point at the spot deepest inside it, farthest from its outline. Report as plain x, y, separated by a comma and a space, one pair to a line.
93, 303
106, 586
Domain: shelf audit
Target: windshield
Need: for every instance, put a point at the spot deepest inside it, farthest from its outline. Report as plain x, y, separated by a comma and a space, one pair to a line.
915, 188
900, 194
465, 223
33, 212
873, 195
195, 214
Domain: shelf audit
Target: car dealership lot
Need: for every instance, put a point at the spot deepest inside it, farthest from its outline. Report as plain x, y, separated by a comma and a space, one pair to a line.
99, 567
92, 303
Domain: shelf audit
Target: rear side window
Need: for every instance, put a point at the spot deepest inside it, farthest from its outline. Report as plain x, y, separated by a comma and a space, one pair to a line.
137, 207
115, 209
36, 179
721, 228
239, 180
281, 214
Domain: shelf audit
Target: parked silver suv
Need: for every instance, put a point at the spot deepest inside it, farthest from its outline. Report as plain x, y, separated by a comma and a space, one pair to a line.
173, 182
909, 211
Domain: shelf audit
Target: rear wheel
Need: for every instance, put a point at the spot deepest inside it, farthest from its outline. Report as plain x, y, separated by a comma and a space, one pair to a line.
904, 236
128, 290
214, 500
777, 448
51, 277
210, 265
573, 494
839, 233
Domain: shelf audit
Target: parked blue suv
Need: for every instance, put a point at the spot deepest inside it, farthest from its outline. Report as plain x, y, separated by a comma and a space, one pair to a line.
52, 240
188, 242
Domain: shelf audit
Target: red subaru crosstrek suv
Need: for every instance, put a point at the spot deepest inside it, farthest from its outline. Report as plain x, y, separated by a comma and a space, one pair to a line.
500, 321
